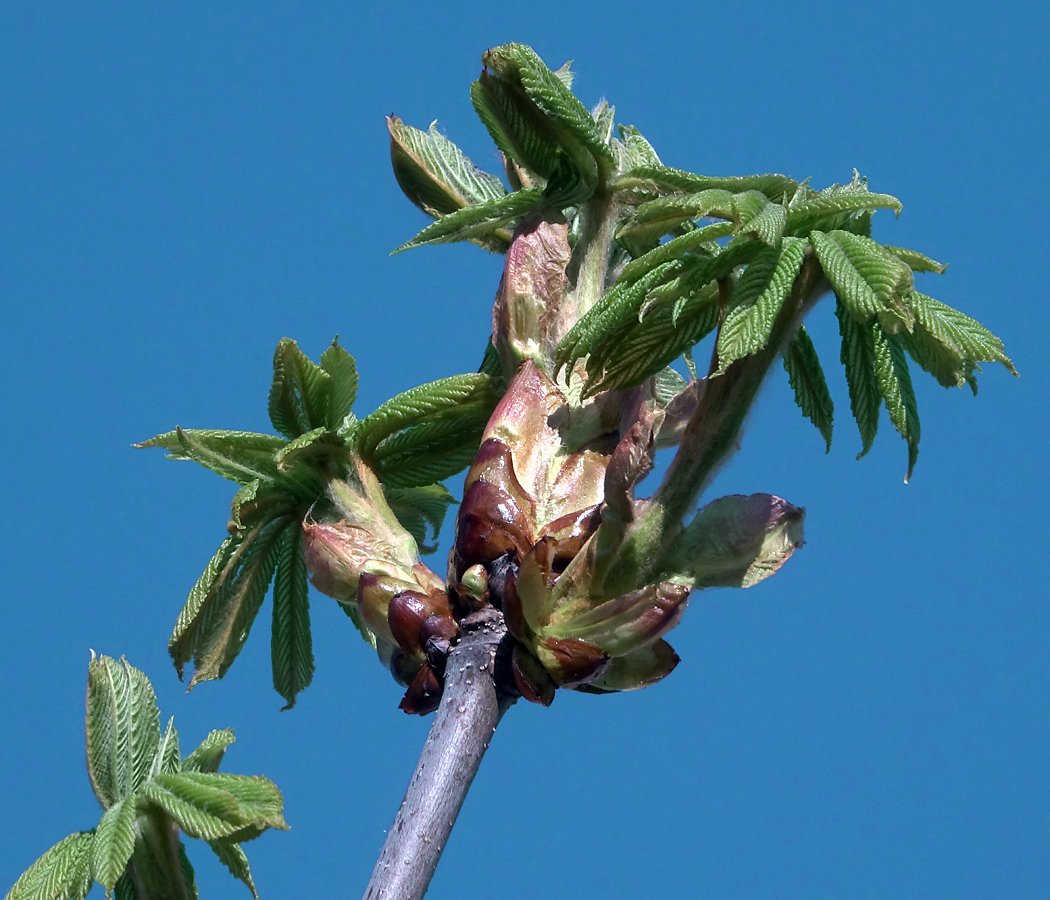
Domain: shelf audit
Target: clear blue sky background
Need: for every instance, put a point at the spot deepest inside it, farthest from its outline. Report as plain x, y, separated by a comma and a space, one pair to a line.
181, 185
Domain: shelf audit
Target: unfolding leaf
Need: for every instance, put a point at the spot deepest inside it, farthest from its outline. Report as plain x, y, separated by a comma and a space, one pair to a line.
756, 301
418, 507
966, 336
113, 843
916, 261
674, 249
807, 381
239, 456
167, 758
484, 223
235, 859
891, 369
299, 393
62, 873
633, 150
122, 726
638, 669
829, 210
342, 373
666, 215
434, 173
213, 805
858, 356
736, 541
665, 180
290, 640
209, 753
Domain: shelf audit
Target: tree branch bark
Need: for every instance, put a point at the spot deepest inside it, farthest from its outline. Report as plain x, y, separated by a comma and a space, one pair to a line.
471, 707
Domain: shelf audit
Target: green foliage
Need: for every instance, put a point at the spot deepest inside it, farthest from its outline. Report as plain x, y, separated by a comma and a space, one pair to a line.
290, 641
148, 795
434, 173
489, 224
807, 381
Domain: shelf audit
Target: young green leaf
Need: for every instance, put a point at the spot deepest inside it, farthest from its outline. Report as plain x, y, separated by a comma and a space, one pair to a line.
62, 872
891, 369
209, 753
235, 859
221, 626
756, 300
664, 180
858, 356
113, 843
299, 392
759, 216
414, 406
675, 249
633, 150
238, 456
485, 223
122, 728
806, 378
426, 504
966, 336
189, 877
434, 173
829, 210
667, 215
342, 373
211, 805
916, 261
290, 641
167, 758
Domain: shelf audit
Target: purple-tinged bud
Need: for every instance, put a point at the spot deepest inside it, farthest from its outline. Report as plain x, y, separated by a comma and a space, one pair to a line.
438, 626
533, 681
424, 693
571, 661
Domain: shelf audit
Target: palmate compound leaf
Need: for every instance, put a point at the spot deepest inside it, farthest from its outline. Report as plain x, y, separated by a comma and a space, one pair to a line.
485, 223
62, 873
291, 646
858, 356
957, 331
756, 300
213, 805
434, 173
122, 728
209, 753
891, 370
114, 841
299, 392
806, 378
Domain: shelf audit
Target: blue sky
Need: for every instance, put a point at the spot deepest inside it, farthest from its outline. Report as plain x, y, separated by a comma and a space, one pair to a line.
184, 184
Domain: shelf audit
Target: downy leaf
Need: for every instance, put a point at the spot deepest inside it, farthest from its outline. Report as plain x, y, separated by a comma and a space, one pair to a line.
666, 215
870, 281
63, 872
829, 210
238, 456
515, 125
655, 342
235, 859
756, 301
114, 841
122, 726
482, 223
858, 356
414, 406
213, 805
916, 261
342, 374
209, 753
417, 507
223, 623
434, 173
807, 381
664, 180
299, 392
633, 150
756, 214
736, 541
674, 249
959, 332
891, 369
167, 758
220, 567
421, 466
291, 645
